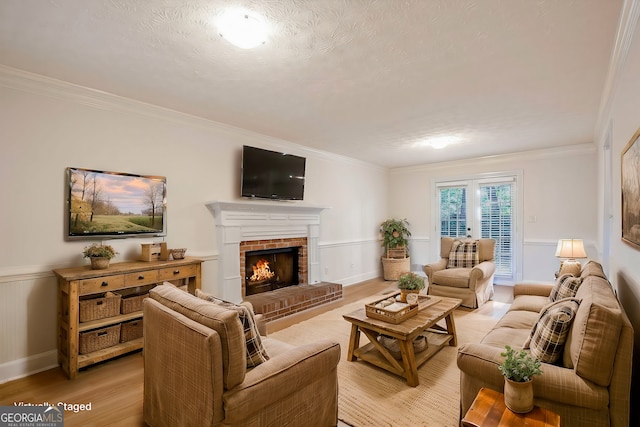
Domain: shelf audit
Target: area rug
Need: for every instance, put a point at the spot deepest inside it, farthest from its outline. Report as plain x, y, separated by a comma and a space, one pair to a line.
369, 396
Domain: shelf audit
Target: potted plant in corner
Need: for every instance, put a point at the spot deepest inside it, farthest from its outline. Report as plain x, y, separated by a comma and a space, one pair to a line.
518, 369
100, 255
395, 260
409, 283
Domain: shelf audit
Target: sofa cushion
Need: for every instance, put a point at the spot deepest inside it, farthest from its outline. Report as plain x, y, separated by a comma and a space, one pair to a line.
549, 334
453, 277
222, 320
518, 319
593, 339
533, 303
256, 353
566, 286
463, 255
592, 268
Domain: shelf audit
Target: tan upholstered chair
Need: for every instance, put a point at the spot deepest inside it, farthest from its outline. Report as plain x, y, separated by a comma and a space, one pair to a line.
474, 286
195, 370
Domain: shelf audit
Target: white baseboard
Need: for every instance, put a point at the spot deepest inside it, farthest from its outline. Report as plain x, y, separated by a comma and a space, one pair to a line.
346, 281
24, 367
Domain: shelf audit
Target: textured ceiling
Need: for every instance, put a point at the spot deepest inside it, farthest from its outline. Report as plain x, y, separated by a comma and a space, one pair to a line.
362, 78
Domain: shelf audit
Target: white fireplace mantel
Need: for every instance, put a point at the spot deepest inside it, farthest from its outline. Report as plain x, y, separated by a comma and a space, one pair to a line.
240, 221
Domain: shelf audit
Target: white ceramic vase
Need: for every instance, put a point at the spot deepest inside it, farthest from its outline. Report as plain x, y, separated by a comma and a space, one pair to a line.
518, 396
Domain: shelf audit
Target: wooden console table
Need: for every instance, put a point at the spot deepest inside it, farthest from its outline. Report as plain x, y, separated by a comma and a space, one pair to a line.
489, 410
80, 281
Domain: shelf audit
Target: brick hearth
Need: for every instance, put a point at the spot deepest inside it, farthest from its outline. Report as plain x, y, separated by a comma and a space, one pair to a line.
293, 299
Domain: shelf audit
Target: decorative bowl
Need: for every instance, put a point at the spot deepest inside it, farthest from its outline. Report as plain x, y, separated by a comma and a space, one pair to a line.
177, 253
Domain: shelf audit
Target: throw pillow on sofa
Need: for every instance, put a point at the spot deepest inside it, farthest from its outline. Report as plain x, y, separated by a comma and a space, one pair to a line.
256, 353
566, 286
463, 255
549, 333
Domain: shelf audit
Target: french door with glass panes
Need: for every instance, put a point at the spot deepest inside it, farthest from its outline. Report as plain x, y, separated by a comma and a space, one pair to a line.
482, 208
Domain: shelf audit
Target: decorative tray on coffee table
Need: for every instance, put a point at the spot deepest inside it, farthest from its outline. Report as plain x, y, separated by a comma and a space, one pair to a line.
390, 309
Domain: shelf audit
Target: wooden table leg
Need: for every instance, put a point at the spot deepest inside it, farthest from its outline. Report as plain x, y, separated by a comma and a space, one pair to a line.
409, 362
451, 329
354, 342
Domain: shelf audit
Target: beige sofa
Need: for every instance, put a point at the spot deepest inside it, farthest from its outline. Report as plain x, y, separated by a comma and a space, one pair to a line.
474, 286
195, 370
590, 384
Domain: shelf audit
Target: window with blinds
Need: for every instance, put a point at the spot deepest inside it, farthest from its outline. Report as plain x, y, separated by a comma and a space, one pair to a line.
453, 211
482, 208
496, 222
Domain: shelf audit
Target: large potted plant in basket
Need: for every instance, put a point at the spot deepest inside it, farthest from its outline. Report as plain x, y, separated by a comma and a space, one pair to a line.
395, 260
100, 255
518, 369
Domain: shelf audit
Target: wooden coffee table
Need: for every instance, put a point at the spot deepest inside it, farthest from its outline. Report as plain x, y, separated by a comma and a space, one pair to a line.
424, 323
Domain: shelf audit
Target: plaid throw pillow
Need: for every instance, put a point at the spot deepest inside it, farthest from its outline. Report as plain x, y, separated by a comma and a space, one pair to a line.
463, 255
549, 334
566, 286
256, 353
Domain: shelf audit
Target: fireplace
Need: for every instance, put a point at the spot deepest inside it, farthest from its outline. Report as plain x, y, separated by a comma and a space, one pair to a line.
270, 269
276, 263
256, 226
242, 224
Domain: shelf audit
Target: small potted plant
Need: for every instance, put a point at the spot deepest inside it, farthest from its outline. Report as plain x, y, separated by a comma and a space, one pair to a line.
518, 369
409, 283
395, 260
100, 255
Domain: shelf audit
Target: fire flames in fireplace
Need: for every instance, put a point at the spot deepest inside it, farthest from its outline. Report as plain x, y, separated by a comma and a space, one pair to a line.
261, 271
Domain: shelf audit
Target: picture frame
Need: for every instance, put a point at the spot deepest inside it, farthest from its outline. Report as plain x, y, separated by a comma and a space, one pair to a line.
630, 191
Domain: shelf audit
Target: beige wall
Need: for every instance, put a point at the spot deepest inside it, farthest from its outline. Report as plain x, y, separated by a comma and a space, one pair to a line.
47, 126
557, 189
623, 120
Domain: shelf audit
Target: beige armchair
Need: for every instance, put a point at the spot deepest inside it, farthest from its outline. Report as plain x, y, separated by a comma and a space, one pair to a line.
196, 374
473, 285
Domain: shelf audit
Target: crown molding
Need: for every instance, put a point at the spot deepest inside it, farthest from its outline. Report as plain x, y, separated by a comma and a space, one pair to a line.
38, 84
569, 150
622, 43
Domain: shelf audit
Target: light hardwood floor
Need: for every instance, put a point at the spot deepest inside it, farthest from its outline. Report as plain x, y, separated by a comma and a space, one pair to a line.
114, 388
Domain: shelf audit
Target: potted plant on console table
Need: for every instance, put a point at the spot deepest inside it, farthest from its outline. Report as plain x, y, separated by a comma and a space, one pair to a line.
518, 369
395, 259
100, 255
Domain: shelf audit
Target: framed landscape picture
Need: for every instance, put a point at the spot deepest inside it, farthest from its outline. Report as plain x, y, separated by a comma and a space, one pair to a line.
630, 185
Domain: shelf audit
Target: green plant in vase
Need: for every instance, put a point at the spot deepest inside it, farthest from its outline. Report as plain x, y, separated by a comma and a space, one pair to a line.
519, 368
409, 283
99, 255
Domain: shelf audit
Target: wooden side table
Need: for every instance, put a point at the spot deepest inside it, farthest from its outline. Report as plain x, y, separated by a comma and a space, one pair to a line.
488, 410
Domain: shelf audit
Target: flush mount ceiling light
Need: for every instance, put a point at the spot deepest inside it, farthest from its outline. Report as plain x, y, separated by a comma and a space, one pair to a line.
242, 28
440, 141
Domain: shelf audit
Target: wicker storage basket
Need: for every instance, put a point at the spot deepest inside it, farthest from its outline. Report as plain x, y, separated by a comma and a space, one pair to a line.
397, 252
395, 316
132, 298
99, 306
98, 339
420, 343
394, 267
131, 330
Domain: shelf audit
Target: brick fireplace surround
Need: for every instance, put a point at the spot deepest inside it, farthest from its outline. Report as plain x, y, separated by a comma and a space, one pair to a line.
262, 225
259, 245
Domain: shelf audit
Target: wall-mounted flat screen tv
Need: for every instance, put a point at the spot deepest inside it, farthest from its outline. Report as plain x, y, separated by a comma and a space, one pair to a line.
102, 204
272, 175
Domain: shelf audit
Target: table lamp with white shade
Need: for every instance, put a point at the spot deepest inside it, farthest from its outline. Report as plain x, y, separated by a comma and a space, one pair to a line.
569, 250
